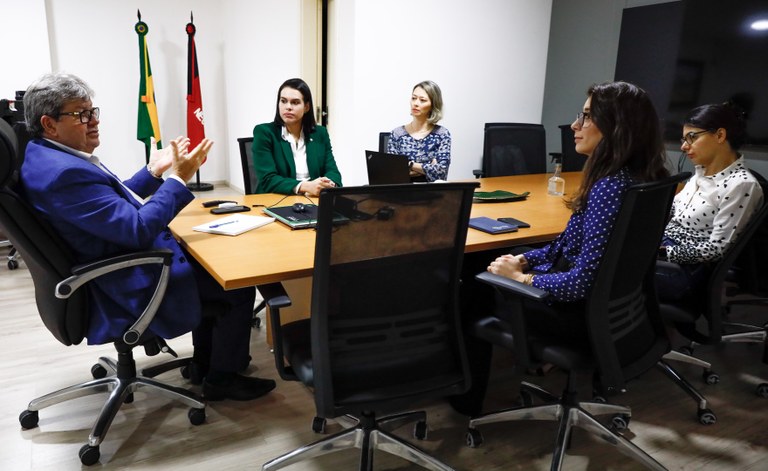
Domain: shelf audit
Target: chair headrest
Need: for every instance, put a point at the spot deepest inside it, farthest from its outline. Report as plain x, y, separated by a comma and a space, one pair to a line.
8, 147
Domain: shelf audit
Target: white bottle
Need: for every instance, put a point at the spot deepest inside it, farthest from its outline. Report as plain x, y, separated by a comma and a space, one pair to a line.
556, 186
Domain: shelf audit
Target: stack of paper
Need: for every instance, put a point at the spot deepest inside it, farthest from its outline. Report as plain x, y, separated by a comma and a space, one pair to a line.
234, 224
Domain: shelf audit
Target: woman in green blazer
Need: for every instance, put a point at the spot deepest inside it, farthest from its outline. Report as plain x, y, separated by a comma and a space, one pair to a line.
292, 154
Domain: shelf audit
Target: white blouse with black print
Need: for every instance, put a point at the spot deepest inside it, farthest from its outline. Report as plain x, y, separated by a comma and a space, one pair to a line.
710, 212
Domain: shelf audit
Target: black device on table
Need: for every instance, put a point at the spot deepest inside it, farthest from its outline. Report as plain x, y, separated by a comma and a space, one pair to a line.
230, 209
514, 222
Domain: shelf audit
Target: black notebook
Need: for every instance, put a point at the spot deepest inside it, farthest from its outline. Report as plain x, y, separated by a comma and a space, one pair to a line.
491, 226
305, 219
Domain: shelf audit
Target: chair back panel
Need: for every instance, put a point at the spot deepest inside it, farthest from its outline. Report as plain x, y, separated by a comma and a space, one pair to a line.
250, 180
572, 160
383, 141
47, 256
749, 264
385, 322
514, 149
631, 338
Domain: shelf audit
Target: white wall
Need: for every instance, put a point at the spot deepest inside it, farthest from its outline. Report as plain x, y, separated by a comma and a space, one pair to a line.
244, 48
488, 56
23, 44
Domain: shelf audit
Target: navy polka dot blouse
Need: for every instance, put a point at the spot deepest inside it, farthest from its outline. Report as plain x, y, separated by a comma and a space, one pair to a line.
582, 244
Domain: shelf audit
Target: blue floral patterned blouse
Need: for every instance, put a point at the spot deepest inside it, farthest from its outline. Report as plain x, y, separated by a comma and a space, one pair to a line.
435, 146
582, 244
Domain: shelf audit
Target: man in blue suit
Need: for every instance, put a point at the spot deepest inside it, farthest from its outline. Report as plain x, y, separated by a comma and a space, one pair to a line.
98, 215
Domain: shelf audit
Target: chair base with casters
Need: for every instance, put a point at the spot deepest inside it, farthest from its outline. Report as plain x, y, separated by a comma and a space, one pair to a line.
120, 386
368, 435
569, 412
705, 415
13, 254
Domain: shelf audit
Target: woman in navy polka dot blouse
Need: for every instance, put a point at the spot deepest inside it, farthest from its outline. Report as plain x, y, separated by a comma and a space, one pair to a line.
618, 131
714, 206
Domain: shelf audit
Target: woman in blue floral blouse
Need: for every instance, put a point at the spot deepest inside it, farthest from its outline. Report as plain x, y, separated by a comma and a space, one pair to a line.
426, 143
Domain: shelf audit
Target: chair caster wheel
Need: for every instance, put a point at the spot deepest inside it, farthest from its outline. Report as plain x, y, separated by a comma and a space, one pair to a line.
474, 438
28, 419
98, 371
89, 455
420, 430
256, 322
13, 264
196, 416
710, 377
620, 422
318, 425
762, 390
707, 417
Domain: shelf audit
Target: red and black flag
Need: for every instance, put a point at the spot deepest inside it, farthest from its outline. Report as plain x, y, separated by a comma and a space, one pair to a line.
195, 125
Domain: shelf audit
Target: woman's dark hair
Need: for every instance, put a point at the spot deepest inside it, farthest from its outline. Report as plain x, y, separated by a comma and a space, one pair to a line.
715, 116
624, 114
308, 122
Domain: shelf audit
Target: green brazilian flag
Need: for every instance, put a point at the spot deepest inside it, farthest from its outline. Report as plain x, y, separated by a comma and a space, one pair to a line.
148, 124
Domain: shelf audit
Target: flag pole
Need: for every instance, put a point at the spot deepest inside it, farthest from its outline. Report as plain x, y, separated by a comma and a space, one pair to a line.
148, 124
195, 122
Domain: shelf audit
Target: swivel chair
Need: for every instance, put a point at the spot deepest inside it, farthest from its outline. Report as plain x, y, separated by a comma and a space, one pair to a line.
383, 141
250, 182
513, 149
703, 319
62, 302
384, 332
626, 336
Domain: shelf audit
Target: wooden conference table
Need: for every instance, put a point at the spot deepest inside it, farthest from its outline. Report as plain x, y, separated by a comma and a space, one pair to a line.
275, 253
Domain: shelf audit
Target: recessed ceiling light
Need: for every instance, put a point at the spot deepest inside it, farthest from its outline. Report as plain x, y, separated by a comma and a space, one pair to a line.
760, 25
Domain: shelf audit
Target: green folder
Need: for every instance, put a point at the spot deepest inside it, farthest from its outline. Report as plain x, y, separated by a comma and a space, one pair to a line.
498, 196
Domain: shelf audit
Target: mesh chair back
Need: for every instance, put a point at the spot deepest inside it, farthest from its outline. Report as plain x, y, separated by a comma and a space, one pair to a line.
48, 258
383, 141
385, 326
250, 180
627, 335
514, 149
572, 160
749, 265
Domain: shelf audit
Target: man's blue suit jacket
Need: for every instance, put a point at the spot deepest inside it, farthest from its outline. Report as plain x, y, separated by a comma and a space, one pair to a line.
95, 214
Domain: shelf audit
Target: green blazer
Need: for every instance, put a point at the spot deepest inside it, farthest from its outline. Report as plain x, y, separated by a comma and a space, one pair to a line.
274, 164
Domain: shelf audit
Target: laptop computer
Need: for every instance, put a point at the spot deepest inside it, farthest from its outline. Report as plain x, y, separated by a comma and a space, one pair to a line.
386, 169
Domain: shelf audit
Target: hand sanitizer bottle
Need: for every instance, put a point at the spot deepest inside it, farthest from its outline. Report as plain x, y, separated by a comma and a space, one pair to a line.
556, 186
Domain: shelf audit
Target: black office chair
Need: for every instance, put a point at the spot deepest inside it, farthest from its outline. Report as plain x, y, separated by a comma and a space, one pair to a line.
702, 319
384, 332
513, 149
63, 308
383, 141
13, 114
626, 334
250, 182
572, 161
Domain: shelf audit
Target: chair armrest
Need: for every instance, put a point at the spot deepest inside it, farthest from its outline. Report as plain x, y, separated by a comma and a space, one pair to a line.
510, 287
512, 312
276, 298
83, 274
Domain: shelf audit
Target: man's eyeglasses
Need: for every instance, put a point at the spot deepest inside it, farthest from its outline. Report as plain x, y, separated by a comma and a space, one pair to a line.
85, 115
690, 137
583, 117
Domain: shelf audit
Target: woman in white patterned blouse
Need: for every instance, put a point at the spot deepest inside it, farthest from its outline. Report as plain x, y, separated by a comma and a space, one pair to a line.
715, 204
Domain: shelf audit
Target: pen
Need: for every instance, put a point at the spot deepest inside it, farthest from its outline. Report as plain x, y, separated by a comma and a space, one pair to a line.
222, 224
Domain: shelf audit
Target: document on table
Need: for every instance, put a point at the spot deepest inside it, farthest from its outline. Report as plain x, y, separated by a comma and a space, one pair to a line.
234, 224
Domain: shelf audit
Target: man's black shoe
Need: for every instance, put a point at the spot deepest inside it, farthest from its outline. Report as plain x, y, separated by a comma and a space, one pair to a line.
237, 388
